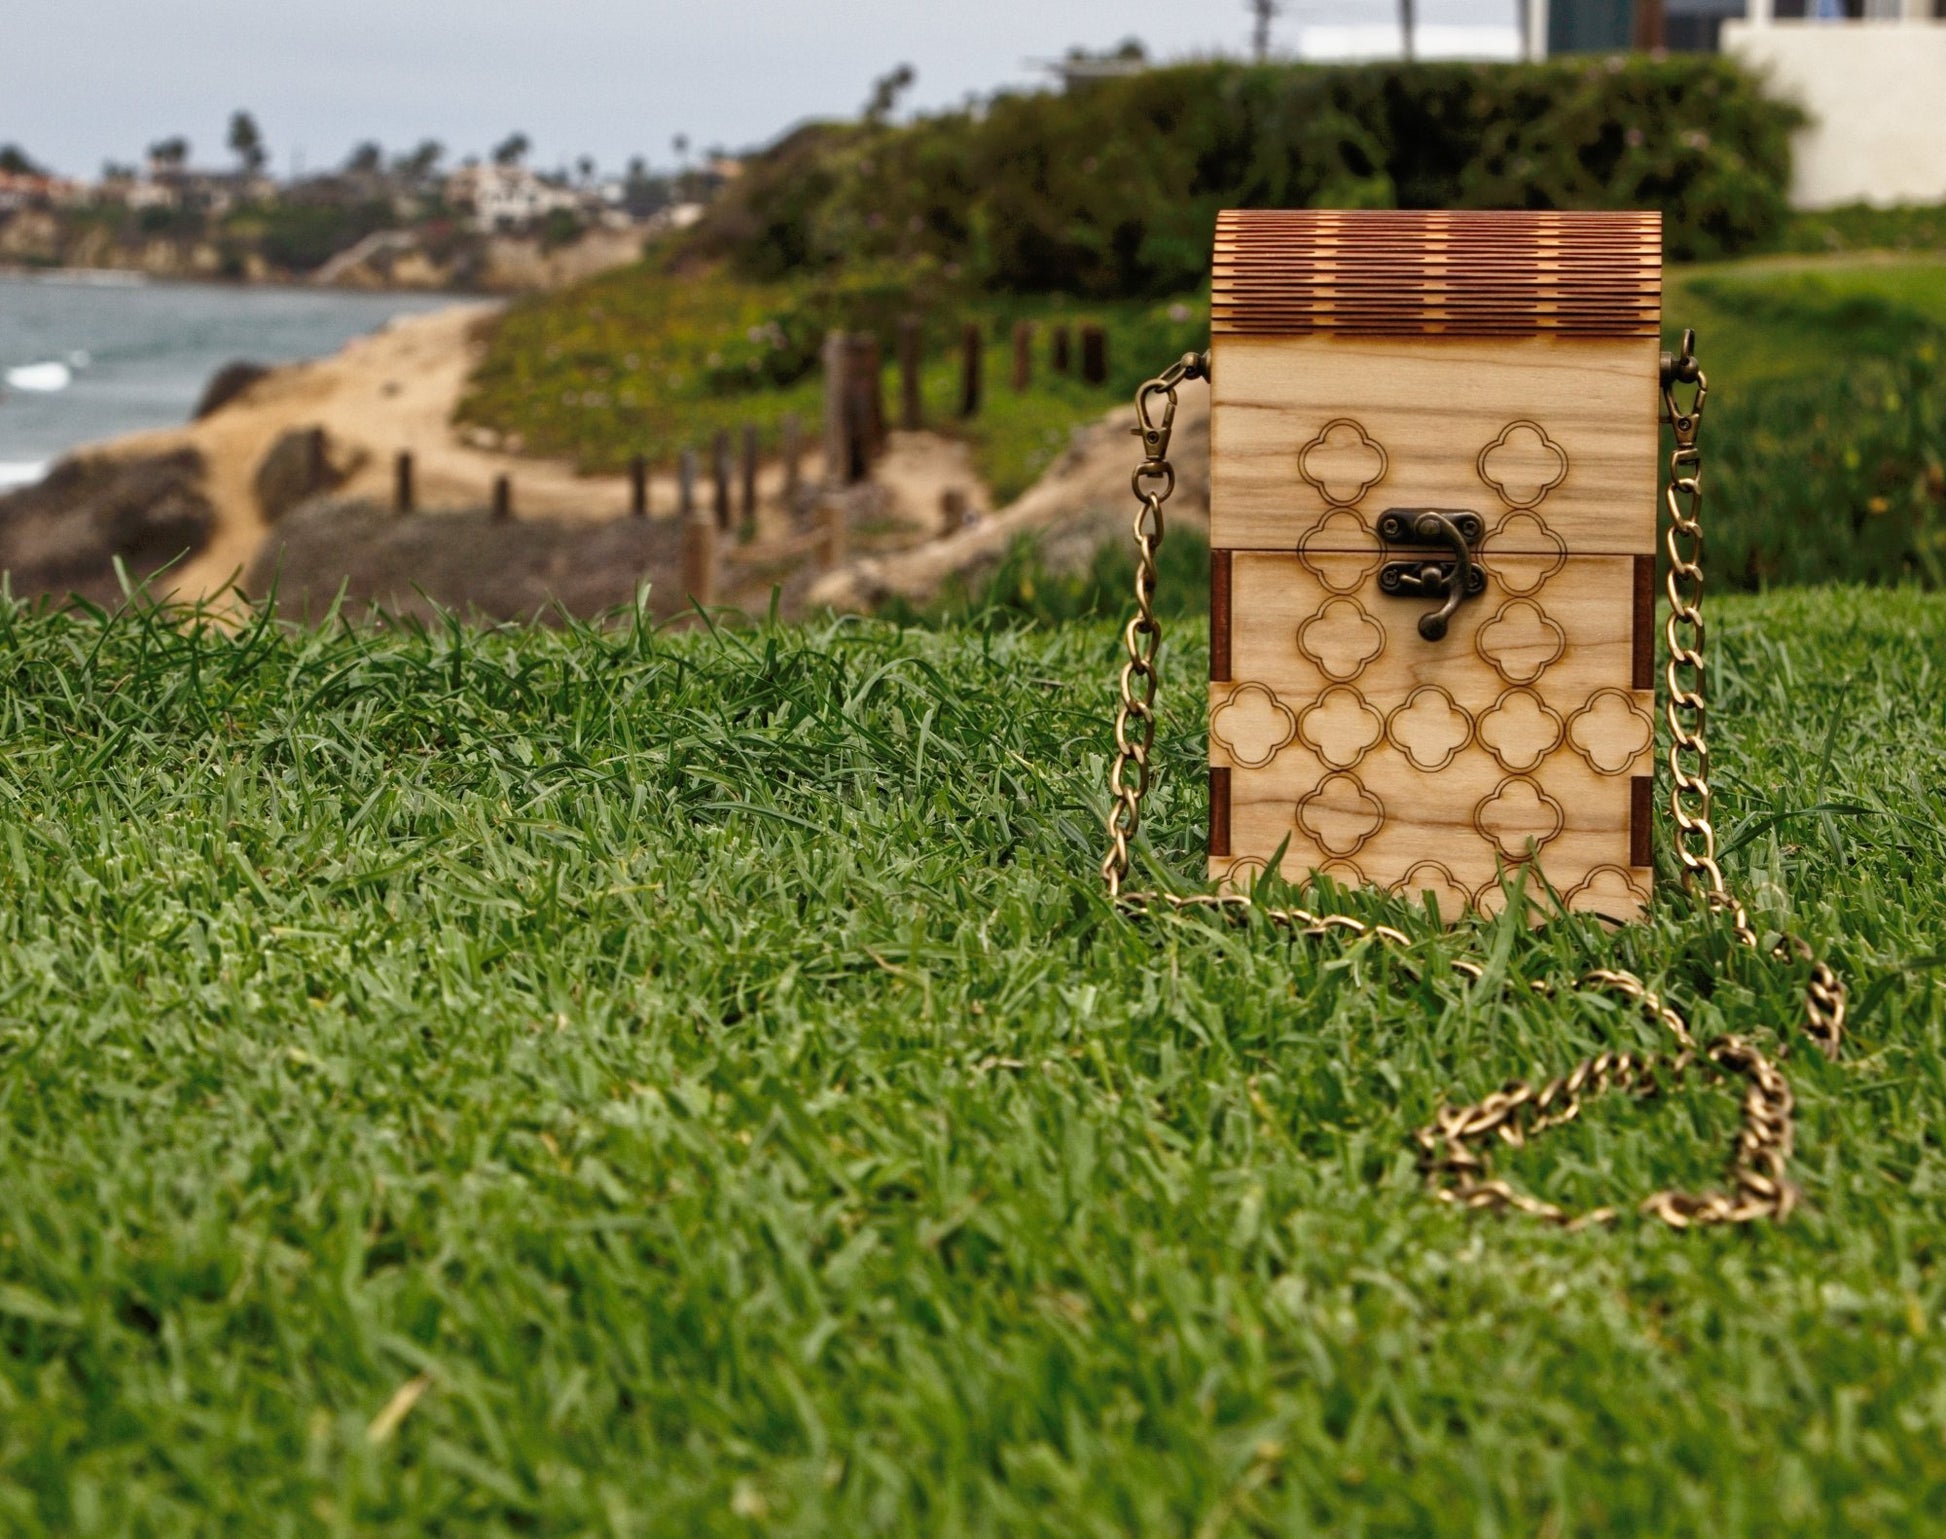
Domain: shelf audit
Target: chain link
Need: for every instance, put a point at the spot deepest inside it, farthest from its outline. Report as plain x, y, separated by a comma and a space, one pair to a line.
1454, 1148
1153, 483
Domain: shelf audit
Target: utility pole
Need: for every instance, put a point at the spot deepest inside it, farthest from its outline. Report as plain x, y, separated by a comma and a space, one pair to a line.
1264, 13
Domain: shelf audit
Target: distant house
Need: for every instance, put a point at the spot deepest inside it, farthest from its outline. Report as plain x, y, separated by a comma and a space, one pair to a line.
1871, 74
503, 198
30, 189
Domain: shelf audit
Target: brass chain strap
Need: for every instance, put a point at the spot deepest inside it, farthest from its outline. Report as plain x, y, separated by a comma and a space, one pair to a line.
1453, 1149
1153, 483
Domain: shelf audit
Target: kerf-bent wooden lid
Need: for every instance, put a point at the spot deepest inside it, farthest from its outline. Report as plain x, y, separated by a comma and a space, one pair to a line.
1404, 272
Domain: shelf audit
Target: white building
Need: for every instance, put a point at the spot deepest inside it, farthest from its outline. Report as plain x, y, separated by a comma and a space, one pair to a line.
1871, 74
1875, 87
507, 197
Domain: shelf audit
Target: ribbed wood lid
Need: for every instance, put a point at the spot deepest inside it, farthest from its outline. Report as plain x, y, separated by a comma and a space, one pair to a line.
1402, 272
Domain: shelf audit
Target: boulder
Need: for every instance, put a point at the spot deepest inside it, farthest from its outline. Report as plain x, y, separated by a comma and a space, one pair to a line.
226, 384
64, 535
296, 468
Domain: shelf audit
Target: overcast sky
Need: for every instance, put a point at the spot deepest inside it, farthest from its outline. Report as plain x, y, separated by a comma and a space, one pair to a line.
82, 81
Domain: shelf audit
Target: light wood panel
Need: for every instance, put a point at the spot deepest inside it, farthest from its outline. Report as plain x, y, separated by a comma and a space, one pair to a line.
1551, 439
1378, 757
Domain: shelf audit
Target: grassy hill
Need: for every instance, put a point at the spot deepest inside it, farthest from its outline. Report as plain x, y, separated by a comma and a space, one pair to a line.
601, 1081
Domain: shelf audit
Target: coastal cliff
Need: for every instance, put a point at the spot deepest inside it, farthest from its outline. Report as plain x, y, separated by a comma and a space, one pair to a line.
401, 260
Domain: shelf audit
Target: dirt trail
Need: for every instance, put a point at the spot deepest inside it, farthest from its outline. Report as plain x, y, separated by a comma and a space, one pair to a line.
394, 390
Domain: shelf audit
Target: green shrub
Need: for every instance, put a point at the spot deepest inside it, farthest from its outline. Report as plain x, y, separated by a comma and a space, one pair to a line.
300, 237
1114, 190
643, 361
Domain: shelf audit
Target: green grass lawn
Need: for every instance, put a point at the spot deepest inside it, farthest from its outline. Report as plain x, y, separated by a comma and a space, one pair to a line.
600, 1082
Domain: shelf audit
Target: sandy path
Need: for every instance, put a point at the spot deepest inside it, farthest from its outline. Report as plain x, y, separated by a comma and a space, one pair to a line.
393, 390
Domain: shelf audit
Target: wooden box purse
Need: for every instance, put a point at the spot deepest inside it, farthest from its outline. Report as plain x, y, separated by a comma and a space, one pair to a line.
1433, 476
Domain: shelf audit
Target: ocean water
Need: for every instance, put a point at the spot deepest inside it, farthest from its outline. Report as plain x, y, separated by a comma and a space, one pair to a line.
87, 356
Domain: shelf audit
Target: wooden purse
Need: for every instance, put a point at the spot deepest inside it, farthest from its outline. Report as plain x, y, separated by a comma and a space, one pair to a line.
1433, 466
1433, 444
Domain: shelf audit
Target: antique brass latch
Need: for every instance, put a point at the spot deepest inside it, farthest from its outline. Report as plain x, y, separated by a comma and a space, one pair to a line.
1455, 580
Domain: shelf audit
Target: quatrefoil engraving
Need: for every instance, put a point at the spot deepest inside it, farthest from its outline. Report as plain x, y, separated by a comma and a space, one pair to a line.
1340, 727
1523, 464
1343, 462
1252, 725
1520, 730
1606, 890
1526, 552
1610, 732
1330, 551
1243, 874
1344, 874
1340, 814
1431, 879
1429, 728
1518, 818
1521, 642
1341, 638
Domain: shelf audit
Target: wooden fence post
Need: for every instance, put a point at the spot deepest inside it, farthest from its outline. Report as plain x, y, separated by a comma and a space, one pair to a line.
749, 488
837, 393
1063, 343
503, 498
638, 486
865, 407
686, 484
831, 525
720, 472
793, 470
911, 416
1094, 355
1023, 355
972, 349
402, 489
699, 558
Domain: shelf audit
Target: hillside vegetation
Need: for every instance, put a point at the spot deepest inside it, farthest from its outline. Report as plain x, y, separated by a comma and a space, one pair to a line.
598, 1081
1825, 437
1112, 191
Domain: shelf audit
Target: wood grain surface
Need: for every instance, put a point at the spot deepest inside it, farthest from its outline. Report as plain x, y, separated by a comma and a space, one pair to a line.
1378, 757
1313, 437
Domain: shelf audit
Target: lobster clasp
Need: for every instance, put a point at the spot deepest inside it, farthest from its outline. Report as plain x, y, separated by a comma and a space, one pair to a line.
1154, 434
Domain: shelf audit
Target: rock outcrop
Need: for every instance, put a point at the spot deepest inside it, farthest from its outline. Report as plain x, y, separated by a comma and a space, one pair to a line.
63, 536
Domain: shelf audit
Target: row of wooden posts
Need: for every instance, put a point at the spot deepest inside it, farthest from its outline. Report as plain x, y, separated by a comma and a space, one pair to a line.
972, 351
854, 437
735, 483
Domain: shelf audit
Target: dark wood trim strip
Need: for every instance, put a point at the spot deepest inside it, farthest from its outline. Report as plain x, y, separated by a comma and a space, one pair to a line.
1641, 820
1644, 636
1219, 810
1219, 616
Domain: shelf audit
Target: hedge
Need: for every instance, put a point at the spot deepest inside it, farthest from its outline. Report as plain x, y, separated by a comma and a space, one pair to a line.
1112, 190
